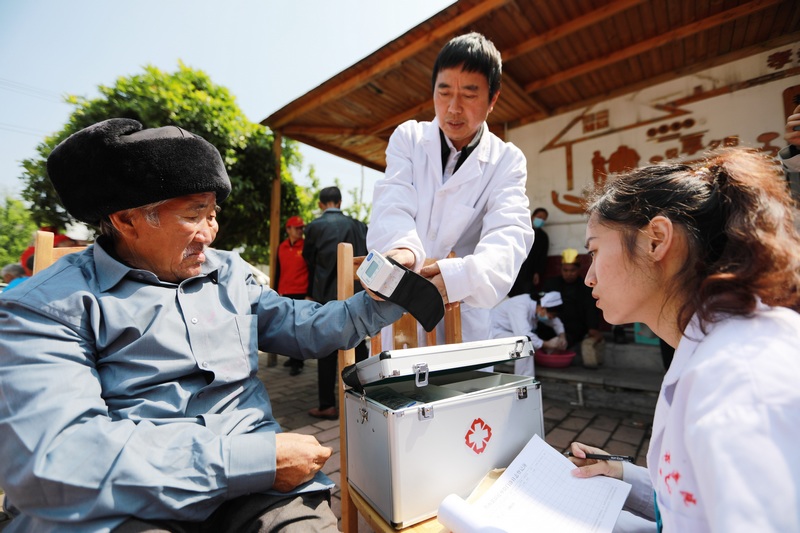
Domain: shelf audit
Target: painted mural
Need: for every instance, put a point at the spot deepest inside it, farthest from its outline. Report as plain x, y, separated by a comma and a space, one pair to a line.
741, 103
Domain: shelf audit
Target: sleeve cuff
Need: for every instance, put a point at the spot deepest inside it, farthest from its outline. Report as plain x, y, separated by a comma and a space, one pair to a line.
453, 273
640, 498
251, 463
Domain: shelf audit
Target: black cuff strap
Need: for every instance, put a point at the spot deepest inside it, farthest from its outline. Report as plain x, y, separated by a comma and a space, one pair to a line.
418, 296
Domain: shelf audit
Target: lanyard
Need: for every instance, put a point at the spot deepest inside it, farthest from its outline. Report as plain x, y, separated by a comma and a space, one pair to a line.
659, 525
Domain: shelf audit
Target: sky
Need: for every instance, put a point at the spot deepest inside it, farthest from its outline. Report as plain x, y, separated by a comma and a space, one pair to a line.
266, 52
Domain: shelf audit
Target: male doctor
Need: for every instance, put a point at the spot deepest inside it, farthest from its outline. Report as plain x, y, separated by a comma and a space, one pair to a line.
451, 185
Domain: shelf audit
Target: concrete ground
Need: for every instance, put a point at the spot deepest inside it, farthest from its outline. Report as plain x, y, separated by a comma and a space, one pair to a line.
611, 409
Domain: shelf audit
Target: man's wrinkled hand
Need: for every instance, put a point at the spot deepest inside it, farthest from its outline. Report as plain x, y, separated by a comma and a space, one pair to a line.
297, 459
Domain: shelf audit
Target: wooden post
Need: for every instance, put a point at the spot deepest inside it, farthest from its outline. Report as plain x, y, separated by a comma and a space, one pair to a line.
275, 222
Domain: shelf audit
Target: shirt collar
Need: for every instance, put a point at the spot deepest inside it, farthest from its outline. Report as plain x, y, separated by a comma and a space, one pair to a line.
448, 148
110, 270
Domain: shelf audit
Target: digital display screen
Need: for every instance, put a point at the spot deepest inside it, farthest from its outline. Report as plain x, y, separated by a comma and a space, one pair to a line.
371, 269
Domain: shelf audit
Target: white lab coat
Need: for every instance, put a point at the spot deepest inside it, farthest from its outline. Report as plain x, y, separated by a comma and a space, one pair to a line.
480, 213
723, 453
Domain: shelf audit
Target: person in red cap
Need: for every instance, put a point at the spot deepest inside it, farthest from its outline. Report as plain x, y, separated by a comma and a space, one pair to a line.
291, 273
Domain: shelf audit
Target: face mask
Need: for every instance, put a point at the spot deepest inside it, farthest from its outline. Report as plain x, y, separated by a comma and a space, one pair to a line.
538, 222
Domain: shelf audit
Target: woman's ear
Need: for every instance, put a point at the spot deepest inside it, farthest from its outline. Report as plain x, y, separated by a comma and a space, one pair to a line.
660, 234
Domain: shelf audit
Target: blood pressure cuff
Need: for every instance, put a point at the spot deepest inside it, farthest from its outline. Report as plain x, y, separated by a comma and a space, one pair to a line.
418, 296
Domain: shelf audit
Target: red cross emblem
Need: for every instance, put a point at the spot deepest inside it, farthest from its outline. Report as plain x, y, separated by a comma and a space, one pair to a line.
478, 435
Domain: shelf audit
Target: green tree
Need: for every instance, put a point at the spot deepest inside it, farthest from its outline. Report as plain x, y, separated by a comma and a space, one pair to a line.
16, 230
189, 99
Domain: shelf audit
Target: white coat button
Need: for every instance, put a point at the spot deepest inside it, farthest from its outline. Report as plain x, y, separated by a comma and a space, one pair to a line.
194, 321
205, 364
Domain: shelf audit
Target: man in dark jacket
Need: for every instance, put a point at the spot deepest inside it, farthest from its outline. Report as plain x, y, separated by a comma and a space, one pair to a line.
531, 273
323, 236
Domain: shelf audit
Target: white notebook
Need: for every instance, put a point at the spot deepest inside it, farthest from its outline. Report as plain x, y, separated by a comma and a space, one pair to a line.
538, 492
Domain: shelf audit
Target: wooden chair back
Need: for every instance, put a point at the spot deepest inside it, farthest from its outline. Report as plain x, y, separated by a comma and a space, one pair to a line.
405, 336
45, 254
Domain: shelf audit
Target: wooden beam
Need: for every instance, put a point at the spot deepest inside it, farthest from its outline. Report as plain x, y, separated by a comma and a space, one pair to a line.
655, 42
340, 152
399, 118
351, 83
291, 131
510, 82
791, 38
559, 32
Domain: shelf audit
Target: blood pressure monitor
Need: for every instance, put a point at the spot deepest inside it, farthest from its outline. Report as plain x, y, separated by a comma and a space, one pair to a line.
394, 282
379, 275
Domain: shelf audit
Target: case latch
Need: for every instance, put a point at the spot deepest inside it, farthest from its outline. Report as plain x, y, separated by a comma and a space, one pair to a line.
517, 351
420, 374
362, 410
522, 393
425, 412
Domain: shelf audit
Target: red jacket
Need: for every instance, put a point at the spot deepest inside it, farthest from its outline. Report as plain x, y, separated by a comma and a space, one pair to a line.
291, 273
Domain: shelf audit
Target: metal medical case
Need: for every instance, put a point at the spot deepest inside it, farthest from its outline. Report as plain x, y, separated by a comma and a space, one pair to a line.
423, 423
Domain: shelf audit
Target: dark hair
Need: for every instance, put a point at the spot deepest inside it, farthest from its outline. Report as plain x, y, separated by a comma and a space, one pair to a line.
540, 210
473, 53
330, 195
738, 218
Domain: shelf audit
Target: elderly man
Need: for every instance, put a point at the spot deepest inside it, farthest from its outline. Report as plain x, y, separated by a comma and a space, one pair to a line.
130, 400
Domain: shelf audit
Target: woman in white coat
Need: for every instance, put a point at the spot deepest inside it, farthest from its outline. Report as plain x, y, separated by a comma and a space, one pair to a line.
709, 258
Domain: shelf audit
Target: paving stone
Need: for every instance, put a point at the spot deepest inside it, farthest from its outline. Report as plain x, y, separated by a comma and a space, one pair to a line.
620, 448
574, 422
630, 434
606, 422
555, 412
593, 437
560, 438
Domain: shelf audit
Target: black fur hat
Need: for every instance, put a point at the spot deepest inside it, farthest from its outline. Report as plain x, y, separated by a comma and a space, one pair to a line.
115, 165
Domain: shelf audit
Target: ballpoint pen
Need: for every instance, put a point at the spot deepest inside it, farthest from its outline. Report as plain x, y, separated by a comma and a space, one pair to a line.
602, 457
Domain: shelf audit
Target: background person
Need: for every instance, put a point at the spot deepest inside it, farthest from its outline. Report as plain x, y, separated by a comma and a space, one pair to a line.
451, 185
532, 273
323, 236
579, 313
721, 454
790, 156
521, 315
291, 274
13, 274
129, 386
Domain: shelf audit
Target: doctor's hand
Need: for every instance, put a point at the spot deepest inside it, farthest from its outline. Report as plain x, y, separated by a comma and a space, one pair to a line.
297, 459
593, 467
434, 275
404, 256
